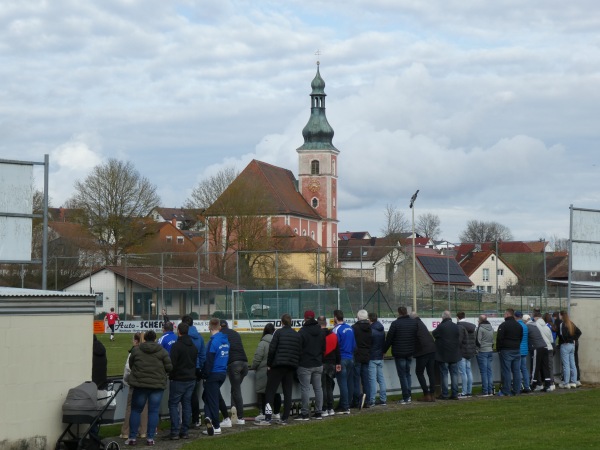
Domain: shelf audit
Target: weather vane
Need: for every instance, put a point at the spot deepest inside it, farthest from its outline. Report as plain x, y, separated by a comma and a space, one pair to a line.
318, 53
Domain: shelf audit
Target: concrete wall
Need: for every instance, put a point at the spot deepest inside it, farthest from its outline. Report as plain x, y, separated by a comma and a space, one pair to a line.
44, 353
586, 315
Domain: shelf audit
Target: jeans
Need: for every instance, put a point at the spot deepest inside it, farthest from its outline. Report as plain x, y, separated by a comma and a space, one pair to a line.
511, 370
403, 369
426, 362
524, 372
346, 383
236, 371
138, 399
567, 357
196, 402
466, 376
453, 369
485, 360
211, 394
361, 382
376, 378
180, 392
306, 377
328, 384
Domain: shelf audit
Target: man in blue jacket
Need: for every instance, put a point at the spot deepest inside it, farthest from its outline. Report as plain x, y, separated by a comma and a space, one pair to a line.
345, 377
169, 337
214, 374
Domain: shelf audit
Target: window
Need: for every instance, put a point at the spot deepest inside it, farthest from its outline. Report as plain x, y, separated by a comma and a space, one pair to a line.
121, 299
168, 298
296, 231
486, 274
180, 240
349, 253
333, 167
99, 299
303, 232
315, 202
314, 167
169, 239
493, 258
481, 288
489, 289
312, 234
500, 272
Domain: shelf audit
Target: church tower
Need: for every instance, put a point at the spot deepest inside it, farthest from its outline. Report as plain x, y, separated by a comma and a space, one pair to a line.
317, 174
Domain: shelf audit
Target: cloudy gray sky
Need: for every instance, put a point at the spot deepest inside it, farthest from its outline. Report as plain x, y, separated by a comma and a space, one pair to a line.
489, 108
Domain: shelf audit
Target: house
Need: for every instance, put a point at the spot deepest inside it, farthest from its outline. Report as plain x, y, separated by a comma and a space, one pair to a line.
347, 235
373, 259
180, 218
489, 271
265, 197
149, 289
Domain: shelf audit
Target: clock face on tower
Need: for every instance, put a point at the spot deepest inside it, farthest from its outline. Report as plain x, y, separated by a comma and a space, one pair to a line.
313, 185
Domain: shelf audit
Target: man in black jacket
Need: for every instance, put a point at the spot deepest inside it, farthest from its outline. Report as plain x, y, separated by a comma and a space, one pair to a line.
362, 336
282, 362
402, 337
237, 369
310, 366
508, 343
447, 354
425, 357
376, 361
183, 380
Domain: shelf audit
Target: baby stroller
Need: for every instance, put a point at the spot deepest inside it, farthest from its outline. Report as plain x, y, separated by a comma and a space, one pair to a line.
86, 405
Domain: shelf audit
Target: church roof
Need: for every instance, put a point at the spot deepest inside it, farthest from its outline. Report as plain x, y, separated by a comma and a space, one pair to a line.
278, 185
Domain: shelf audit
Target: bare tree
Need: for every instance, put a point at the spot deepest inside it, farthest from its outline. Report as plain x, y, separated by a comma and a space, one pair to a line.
209, 190
395, 223
481, 231
428, 225
559, 244
114, 197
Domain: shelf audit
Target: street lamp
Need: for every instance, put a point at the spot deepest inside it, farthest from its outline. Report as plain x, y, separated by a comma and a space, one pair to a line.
412, 202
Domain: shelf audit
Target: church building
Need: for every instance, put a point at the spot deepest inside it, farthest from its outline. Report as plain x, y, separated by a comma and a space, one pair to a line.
307, 205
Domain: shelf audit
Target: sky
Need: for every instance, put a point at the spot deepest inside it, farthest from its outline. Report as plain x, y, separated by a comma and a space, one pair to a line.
490, 109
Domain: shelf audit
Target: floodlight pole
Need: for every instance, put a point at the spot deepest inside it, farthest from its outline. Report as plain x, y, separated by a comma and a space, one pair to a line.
412, 202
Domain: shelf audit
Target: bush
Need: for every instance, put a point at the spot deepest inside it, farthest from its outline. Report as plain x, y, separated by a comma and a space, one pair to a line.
101, 315
195, 315
219, 315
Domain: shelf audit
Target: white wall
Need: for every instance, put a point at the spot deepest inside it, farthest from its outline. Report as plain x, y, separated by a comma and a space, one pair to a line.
586, 314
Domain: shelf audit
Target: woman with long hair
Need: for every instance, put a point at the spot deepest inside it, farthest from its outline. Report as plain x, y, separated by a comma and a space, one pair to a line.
569, 334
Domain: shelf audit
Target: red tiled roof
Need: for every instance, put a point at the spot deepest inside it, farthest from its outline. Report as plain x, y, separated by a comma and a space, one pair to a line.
475, 259
503, 247
278, 186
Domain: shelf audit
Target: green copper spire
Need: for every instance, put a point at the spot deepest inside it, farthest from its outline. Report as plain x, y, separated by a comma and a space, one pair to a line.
317, 133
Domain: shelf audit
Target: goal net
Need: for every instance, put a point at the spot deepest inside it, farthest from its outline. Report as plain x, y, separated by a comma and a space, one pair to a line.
272, 304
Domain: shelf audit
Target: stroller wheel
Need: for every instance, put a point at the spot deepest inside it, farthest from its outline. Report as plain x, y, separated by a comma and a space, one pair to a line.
111, 445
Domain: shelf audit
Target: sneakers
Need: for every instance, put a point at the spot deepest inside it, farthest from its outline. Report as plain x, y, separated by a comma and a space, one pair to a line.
276, 416
318, 416
130, 442
210, 430
573, 385
226, 423
324, 413
343, 411
263, 423
382, 404
552, 387
197, 425
564, 386
258, 418
462, 395
407, 401
330, 412
283, 422
150, 442
302, 417
214, 431
578, 384
240, 422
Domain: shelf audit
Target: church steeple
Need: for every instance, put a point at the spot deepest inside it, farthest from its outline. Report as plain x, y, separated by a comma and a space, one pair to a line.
317, 133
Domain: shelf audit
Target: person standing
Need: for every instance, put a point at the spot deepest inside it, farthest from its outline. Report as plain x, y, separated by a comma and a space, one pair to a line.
332, 364
99, 364
184, 355
376, 362
199, 343
540, 339
345, 377
484, 341
165, 317
169, 337
568, 333
237, 369
214, 373
259, 364
137, 340
467, 351
524, 349
111, 318
282, 362
362, 356
447, 354
425, 359
402, 337
149, 363
310, 365
508, 342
